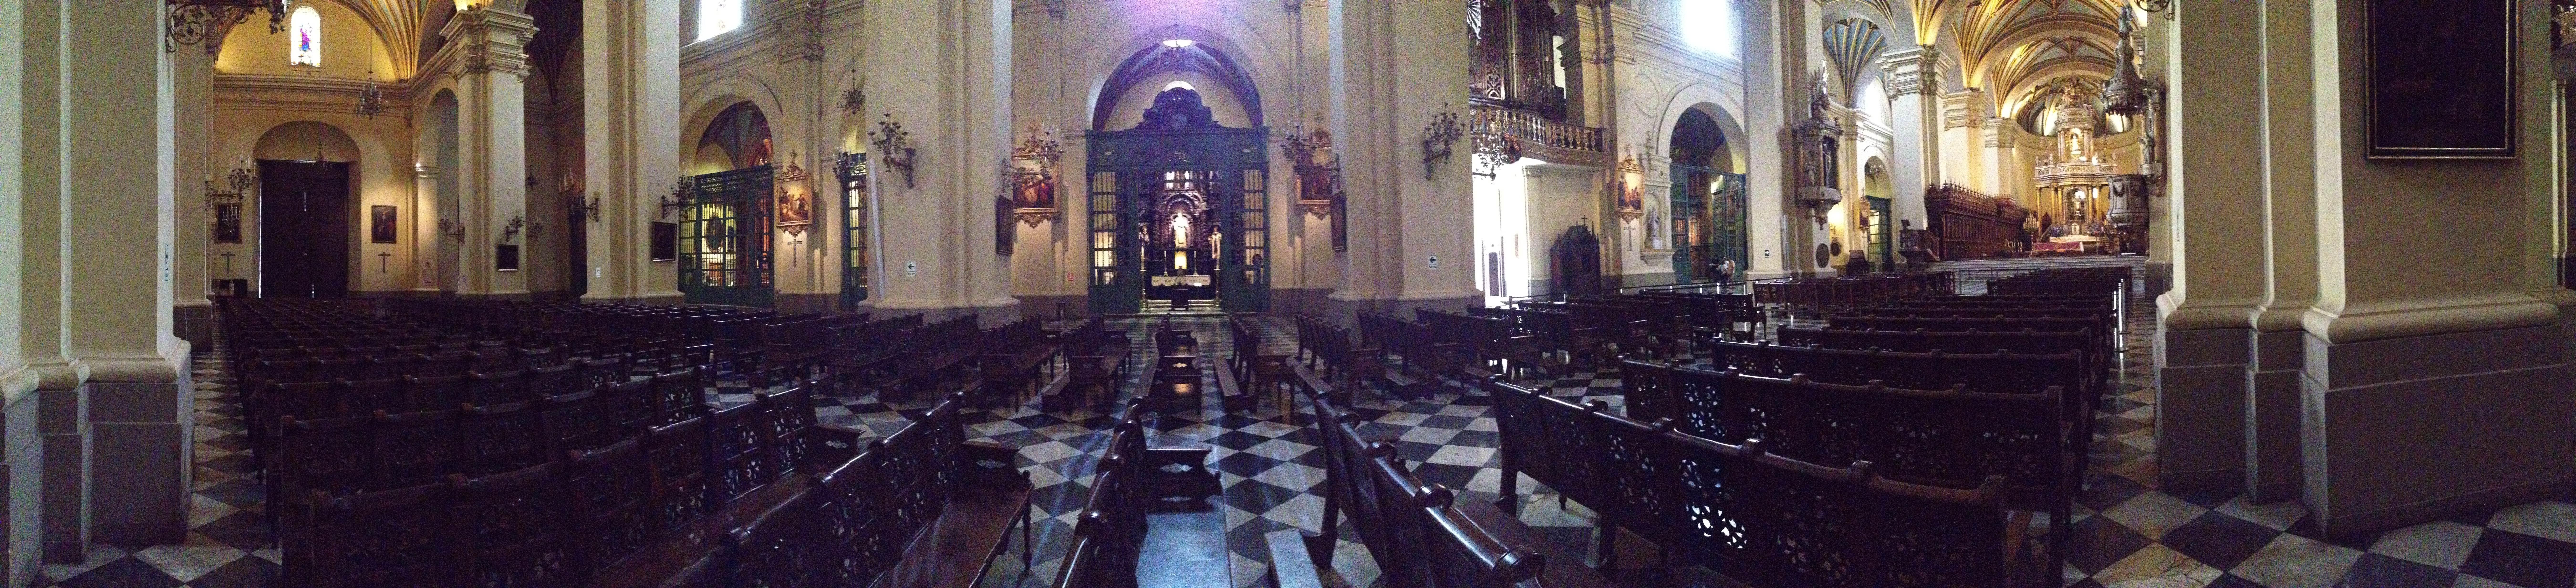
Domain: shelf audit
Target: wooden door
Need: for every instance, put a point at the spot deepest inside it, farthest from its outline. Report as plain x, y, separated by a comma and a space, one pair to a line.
305, 228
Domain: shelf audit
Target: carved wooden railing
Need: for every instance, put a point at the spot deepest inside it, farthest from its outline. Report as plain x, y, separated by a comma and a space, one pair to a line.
1535, 130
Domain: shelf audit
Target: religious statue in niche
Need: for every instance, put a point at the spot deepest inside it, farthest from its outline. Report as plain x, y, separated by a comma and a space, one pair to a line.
1655, 236
1032, 177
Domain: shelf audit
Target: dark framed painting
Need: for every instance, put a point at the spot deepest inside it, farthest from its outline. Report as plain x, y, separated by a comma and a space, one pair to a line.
1005, 240
228, 223
380, 224
2441, 83
666, 241
505, 257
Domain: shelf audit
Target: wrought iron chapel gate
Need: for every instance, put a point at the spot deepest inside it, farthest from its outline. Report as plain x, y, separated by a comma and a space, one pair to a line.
725, 234
1128, 170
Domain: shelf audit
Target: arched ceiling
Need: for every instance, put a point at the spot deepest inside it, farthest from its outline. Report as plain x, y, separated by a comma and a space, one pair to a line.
2004, 44
398, 24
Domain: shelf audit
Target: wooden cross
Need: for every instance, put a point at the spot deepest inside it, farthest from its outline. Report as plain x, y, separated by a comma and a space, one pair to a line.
228, 264
384, 262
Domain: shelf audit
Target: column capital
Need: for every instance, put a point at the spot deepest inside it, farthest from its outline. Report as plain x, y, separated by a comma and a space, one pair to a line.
1914, 69
493, 40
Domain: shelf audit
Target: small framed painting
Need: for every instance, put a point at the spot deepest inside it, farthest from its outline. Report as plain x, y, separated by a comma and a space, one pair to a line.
505, 257
666, 241
380, 224
228, 223
2441, 79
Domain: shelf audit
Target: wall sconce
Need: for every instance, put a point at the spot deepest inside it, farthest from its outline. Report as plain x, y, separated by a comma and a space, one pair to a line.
452, 229
1439, 139
893, 147
672, 202
580, 208
510, 232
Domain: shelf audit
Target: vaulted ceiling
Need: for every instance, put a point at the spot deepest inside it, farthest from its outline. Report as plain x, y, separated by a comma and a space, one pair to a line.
2008, 46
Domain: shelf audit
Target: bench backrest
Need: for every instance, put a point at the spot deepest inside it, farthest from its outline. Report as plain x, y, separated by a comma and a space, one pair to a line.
1761, 518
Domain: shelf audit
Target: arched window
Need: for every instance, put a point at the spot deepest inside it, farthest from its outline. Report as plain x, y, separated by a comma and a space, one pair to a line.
304, 39
715, 17
1711, 26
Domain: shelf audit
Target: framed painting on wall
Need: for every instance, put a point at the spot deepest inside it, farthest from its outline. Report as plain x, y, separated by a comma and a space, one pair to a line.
380, 224
2441, 79
666, 241
228, 223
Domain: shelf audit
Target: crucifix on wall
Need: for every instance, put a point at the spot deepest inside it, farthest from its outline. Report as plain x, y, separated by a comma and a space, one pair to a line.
384, 263
228, 264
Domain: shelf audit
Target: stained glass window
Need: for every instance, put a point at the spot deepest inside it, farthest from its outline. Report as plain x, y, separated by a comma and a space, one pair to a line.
717, 16
305, 38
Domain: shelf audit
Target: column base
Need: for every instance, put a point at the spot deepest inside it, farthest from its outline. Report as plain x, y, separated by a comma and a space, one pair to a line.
140, 441
195, 322
2403, 431
2272, 416
2200, 408
809, 302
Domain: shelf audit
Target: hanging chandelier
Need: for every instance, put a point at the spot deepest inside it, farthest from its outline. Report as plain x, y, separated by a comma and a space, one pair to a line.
196, 21
371, 99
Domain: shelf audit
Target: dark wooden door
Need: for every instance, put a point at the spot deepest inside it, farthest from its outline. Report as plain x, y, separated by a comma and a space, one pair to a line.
305, 228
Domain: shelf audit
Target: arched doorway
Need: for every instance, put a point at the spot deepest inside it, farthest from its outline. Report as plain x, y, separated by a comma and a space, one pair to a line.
1178, 202
725, 227
1708, 202
306, 213
1878, 196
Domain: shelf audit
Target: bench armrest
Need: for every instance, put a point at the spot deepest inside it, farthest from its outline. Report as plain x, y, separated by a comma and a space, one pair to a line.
985, 465
828, 446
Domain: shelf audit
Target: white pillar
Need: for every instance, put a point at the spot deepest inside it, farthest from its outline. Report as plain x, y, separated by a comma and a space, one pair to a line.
1776, 63
492, 122
117, 196
1914, 85
2217, 183
942, 69
631, 131
1400, 65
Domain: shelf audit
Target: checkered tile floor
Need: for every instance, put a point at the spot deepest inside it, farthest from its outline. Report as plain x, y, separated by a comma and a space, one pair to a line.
2127, 533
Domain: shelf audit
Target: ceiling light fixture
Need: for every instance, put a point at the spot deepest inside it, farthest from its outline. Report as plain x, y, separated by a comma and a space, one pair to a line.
1179, 43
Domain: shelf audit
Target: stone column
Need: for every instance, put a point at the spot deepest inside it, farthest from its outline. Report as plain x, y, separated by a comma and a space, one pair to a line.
117, 258
1400, 66
192, 72
941, 69
492, 121
48, 475
1995, 134
1775, 97
1914, 86
2288, 254
2437, 371
631, 132
2217, 182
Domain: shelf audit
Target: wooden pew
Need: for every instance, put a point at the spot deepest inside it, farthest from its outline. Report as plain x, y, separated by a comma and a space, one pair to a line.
1096, 360
1147, 505
1015, 360
1761, 518
1419, 534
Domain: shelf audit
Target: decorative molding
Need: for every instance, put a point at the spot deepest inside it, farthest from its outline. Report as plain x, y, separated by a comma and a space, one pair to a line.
493, 40
207, 21
1913, 70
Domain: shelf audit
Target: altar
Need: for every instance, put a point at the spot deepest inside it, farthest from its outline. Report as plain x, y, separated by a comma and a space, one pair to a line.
1191, 287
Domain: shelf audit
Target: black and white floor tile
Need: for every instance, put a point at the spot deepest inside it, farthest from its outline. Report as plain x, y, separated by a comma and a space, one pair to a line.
2127, 533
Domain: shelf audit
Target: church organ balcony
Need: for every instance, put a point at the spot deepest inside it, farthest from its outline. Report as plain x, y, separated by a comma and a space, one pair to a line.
1542, 138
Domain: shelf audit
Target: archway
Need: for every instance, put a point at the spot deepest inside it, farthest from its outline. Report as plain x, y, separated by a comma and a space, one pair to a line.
725, 227
1709, 238
1878, 194
1178, 200
306, 213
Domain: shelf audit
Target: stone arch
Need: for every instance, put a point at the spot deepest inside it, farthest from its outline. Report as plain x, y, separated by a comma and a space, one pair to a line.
1205, 66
